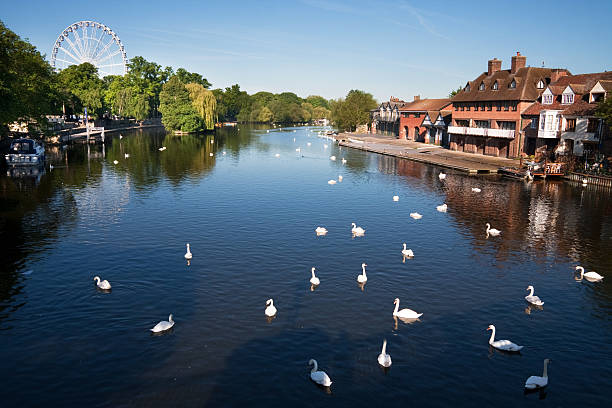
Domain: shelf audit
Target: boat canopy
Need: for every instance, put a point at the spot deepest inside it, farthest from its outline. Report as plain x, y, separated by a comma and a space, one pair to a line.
22, 146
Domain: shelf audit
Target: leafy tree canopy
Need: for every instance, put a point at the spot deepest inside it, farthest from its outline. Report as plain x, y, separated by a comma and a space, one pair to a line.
354, 110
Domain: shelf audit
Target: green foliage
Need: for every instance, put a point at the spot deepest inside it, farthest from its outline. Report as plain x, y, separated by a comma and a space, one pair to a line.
352, 111
318, 101
204, 103
604, 111
177, 109
26, 81
80, 88
192, 78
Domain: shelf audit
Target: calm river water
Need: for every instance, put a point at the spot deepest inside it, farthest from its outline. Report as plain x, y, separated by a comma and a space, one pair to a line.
250, 218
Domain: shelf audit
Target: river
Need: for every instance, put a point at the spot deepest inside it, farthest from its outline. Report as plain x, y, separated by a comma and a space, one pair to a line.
249, 217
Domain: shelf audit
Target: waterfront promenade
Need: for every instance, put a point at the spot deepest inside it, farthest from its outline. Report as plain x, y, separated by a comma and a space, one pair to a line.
424, 153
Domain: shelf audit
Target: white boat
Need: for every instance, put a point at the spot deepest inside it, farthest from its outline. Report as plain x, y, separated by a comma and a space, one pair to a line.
25, 152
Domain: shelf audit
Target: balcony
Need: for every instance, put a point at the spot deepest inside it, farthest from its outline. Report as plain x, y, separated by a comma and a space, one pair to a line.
548, 134
485, 132
585, 136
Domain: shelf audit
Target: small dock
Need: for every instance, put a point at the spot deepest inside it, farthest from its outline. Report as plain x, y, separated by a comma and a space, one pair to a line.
97, 135
424, 153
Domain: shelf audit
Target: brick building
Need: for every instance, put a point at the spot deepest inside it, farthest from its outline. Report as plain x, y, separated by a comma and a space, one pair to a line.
425, 120
486, 117
563, 118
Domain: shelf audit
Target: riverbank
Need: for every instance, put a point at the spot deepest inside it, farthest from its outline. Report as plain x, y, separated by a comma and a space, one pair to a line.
424, 153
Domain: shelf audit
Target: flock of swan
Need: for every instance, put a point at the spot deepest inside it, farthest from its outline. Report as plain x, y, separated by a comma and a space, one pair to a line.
407, 315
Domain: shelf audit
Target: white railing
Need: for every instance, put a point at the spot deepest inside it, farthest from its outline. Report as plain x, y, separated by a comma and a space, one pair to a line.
548, 134
463, 130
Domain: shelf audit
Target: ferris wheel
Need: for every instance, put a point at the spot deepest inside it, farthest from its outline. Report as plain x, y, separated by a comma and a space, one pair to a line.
89, 41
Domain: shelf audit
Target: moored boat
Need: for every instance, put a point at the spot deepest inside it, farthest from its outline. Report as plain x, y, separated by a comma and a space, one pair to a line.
25, 152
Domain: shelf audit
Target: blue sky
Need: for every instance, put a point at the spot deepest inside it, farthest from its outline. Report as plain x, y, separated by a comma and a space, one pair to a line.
327, 47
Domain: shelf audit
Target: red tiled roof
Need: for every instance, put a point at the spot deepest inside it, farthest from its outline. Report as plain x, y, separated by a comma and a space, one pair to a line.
526, 79
578, 108
424, 105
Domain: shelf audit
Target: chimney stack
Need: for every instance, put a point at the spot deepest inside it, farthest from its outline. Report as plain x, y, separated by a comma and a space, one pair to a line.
417, 98
494, 66
518, 61
556, 74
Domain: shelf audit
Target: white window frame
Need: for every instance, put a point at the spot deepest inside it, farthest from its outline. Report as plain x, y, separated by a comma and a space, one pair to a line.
568, 98
540, 84
495, 86
547, 99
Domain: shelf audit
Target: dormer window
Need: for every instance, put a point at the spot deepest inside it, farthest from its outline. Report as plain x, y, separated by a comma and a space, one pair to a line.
568, 98
467, 88
481, 87
540, 84
547, 99
495, 86
512, 84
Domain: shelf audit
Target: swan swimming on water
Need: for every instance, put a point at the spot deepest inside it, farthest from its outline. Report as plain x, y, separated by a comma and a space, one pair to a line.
407, 252
188, 254
395, 198
163, 325
340, 179
332, 182
441, 176
127, 156
320, 377
104, 285
357, 230
535, 381
416, 215
314, 280
504, 345
590, 276
492, 231
270, 310
277, 155
442, 208
332, 158
321, 230
534, 300
405, 313
362, 278
115, 162
476, 190
343, 161
384, 359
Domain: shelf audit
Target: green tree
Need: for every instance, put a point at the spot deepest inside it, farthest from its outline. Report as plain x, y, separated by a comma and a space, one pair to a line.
192, 78
204, 103
604, 111
265, 115
147, 78
318, 101
177, 109
80, 88
352, 111
26, 82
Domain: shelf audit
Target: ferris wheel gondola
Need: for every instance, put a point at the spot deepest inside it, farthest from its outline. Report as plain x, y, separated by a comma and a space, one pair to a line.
93, 42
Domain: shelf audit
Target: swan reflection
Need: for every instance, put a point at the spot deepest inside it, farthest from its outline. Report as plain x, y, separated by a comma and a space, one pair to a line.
405, 320
361, 285
531, 308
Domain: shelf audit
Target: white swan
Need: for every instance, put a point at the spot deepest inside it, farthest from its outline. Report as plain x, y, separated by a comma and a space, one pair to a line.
416, 215
103, 284
395, 198
362, 278
211, 154
407, 252
320, 377
535, 381
188, 254
161, 149
314, 280
343, 161
442, 208
127, 156
340, 179
476, 190
308, 144
332, 158
120, 136
115, 162
325, 146
405, 313
298, 149
357, 230
534, 300
270, 310
277, 155
441, 176
591, 276
163, 325
321, 230
504, 345
383, 358
332, 182
492, 231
